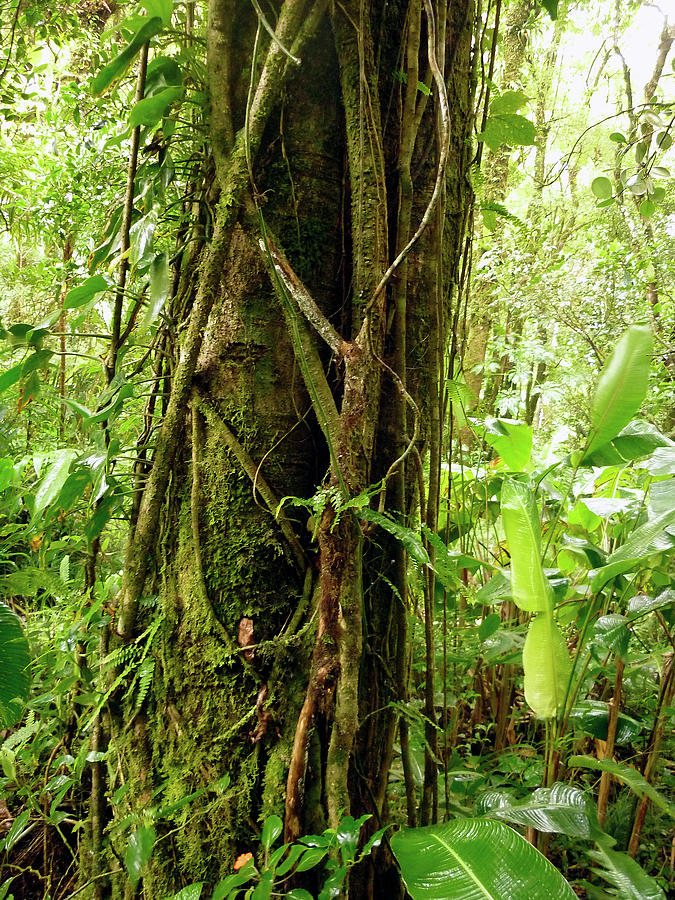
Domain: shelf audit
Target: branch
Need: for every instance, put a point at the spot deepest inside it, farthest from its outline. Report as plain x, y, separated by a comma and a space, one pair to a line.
302, 297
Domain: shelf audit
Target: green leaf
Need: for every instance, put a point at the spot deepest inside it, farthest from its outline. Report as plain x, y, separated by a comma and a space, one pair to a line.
10, 377
602, 187
161, 8
664, 141
592, 716
647, 209
652, 537
139, 851
622, 385
637, 440
271, 830
630, 776
561, 808
190, 892
14, 668
232, 882
19, 825
507, 102
531, 591
511, 439
84, 292
53, 480
617, 137
118, 66
624, 873
510, 128
612, 633
407, 536
159, 287
311, 858
299, 894
6, 473
640, 605
551, 7
474, 859
546, 666
37, 360
150, 110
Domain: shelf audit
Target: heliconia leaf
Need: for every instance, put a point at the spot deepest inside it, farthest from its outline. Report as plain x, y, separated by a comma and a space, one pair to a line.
630, 776
118, 66
649, 538
641, 605
561, 808
530, 588
592, 716
637, 440
622, 385
150, 110
474, 859
624, 873
612, 632
83, 293
14, 668
546, 666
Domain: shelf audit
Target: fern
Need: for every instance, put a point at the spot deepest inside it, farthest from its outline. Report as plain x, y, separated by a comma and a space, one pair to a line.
501, 210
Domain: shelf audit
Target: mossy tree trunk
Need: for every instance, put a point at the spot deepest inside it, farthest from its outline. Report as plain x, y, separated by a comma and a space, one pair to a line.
290, 381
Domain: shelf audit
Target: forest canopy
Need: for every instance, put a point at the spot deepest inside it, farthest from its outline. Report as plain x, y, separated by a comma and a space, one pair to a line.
337, 449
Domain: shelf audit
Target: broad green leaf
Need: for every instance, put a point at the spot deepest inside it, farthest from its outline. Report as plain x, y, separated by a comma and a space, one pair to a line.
14, 668
561, 808
271, 830
474, 859
53, 480
592, 716
159, 287
624, 873
661, 462
508, 102
298, 894
530, 588
622, 385
630, 776
84, 292
161, 8
150, 110
647, 208
190, 892
37, 360
637, 440
641, 605
139, 851
311, 858
10, 377
551, 7
661, 498
612, 632
650, 538
512, 440
546, 666
602, 187
118, 66
232, 882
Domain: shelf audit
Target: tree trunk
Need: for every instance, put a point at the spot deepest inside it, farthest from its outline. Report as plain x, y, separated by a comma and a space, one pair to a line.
299, 255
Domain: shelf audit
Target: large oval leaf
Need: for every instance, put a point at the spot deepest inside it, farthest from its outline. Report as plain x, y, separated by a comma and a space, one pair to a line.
561, 808
547, 667
119, 65
530, 588
14, 668
622, 385
475, 859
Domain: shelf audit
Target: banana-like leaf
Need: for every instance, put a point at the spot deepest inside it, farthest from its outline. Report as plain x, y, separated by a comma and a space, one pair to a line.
630, 776
475, 859
561, 808
630, 879
622, 386
654, 536
530, 588
592, 716
547, 667
14, 668
512, 440
612, 632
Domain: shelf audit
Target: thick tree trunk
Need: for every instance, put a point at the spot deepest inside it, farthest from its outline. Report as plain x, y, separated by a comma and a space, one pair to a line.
305, 708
